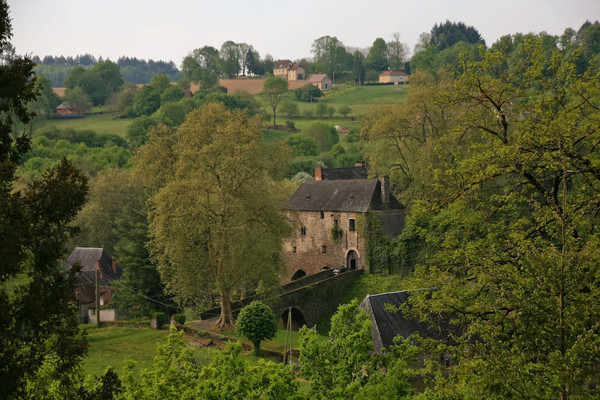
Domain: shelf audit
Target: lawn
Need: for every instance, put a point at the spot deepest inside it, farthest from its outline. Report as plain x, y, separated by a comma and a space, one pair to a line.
277, 344
106, 123
112, 346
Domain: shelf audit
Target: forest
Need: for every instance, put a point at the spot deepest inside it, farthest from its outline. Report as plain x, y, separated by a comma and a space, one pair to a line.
493, 150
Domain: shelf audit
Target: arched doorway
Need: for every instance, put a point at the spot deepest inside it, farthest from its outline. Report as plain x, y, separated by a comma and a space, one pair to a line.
298, 274
298, 320
352, 261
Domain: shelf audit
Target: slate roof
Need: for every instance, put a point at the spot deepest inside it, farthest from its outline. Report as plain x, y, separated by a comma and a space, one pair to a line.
88, 258
387, 325
344, 173
353, 195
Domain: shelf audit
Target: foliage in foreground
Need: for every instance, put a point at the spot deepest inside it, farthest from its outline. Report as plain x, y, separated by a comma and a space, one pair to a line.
175, 375
503, 157
346, 367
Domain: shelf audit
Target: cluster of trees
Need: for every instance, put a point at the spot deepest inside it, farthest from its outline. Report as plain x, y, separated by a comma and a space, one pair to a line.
498, 163
133, 70
332, 57
442, 46
206, 64
97, 84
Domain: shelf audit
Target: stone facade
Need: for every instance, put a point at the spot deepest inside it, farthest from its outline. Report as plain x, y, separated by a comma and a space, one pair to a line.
324, 214
313, 248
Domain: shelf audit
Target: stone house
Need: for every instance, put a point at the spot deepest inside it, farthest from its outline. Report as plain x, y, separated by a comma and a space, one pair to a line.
394, 77
321, 81
92, 259
325, 211
289, 71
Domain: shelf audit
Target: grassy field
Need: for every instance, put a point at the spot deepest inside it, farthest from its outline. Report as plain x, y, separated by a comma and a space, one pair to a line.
106, 123
359, 98
112, 346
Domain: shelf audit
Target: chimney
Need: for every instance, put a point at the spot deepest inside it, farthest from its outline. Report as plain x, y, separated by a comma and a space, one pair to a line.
385, 189
114, 266
358, 164
318, 173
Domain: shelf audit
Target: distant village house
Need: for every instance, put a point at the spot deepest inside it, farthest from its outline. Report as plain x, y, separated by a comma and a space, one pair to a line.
394, 77
65, 108
321, 81
92, 259
289, 71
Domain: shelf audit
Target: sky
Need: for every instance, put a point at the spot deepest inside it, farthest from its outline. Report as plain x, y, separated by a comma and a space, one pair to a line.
169, 30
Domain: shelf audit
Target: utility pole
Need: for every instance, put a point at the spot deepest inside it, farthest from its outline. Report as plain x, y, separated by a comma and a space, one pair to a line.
98, 296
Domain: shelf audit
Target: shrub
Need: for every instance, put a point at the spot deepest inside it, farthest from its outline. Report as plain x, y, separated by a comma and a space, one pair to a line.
257, 322
179, 318
161, 319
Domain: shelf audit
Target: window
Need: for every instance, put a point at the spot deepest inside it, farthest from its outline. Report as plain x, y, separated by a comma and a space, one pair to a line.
294, 249
322, 215
336, 223
352, 225
323, 249
303, 230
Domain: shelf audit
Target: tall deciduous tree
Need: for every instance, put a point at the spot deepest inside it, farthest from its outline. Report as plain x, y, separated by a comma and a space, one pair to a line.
273, 89
397, 53
377, 57
215, 223
326, 51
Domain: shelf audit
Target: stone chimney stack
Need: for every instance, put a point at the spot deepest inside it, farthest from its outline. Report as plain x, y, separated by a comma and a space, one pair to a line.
318, 173
385, 189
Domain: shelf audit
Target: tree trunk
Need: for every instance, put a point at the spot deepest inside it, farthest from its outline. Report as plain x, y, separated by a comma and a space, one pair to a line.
225, 321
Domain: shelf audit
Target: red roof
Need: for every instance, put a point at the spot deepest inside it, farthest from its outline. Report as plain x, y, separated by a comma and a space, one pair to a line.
393, 73
283, 64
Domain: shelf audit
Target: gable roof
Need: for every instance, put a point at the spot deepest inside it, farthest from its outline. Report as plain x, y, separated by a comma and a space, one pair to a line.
358, 172
296, 66
387, 325
64, 106
393, 73
354, 195
316, 78
282, 64
89, 257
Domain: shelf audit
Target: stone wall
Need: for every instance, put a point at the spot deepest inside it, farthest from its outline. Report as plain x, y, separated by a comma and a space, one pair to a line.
312, 247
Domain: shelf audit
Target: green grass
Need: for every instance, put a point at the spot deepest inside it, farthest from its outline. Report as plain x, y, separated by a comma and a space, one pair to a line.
106, 123
112, 346
277, 344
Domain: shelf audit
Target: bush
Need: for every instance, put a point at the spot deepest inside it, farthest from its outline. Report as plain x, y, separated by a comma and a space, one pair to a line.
290, 124
161, 319
308, 92
179, 318
324, 136
257, 322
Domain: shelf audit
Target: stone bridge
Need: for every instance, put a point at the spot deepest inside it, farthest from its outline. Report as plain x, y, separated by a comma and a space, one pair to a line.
311, 298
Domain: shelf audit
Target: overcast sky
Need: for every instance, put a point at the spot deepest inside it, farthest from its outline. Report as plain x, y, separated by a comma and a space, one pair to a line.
169, 29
